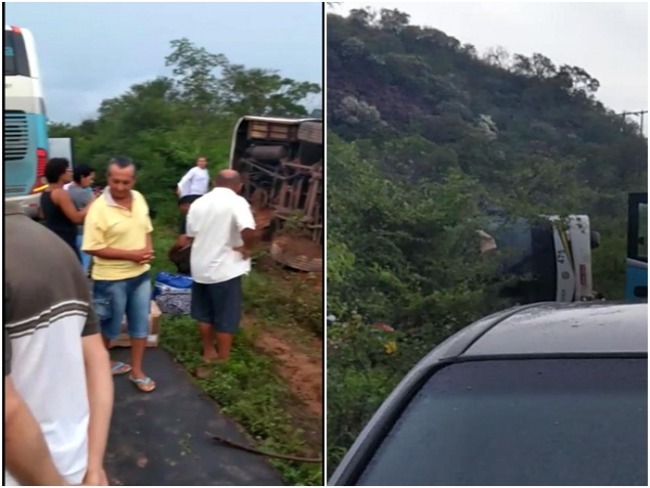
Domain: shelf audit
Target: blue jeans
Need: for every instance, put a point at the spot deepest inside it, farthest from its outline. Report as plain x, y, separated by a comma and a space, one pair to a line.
112, 299
85, 258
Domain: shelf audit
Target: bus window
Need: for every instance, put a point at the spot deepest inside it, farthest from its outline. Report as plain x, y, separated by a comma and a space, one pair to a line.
15, 57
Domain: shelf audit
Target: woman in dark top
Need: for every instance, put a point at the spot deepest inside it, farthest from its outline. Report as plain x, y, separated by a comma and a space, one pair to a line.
57, 209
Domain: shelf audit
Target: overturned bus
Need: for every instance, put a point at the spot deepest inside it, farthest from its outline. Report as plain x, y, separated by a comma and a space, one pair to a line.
281, 164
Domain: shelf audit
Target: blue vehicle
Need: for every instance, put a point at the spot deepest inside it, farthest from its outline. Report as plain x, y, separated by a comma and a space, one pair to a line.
26, 147
636, 279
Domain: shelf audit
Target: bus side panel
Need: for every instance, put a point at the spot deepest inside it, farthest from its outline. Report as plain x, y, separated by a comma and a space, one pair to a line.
42, 139
636, 278
636, 281
23, 135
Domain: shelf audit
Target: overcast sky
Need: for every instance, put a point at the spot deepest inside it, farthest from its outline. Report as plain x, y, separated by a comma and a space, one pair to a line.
608, 40
92, 51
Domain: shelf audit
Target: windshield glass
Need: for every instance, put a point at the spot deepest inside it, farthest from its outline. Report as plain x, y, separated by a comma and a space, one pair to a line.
522, 422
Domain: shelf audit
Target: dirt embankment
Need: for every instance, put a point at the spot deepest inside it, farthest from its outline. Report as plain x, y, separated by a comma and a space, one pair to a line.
300, 363
304, 372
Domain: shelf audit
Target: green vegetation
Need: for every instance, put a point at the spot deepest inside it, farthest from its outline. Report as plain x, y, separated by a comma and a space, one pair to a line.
425, 136
164, 125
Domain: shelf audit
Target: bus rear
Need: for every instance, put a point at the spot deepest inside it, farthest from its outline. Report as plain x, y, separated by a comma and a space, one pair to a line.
25, 124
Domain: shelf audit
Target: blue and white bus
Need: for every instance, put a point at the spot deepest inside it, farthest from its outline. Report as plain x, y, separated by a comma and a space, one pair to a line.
636, 279
25, 124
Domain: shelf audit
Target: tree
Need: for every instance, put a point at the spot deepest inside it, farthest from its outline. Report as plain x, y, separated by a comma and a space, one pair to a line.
363, 16
210, 83
393, 20
165, 123
497, 56
542, 66
194, 70
264, 92
581, 81
522, 65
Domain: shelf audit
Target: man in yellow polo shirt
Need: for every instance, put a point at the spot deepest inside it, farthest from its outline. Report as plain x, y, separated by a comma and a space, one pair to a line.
117, 234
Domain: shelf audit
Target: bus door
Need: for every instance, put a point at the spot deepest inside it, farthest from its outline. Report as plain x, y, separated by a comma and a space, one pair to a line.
636, 279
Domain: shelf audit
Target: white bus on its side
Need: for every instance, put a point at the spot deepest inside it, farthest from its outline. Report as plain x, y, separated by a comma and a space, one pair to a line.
26, 146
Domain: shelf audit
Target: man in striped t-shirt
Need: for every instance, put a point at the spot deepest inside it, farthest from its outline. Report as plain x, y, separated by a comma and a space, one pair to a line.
58, 382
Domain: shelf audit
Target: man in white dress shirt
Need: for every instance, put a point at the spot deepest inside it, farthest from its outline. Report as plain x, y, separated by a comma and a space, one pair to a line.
196, 181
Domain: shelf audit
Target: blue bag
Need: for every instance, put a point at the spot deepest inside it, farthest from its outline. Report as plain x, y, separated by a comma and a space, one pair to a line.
171, 283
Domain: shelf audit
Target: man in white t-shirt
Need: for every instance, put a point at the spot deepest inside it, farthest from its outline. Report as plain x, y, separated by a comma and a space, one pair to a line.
196, 181
222, 227
58, 383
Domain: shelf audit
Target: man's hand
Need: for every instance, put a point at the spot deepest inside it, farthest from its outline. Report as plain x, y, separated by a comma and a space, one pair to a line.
244, 251
149, 256
183, 241
95, 477
141, 256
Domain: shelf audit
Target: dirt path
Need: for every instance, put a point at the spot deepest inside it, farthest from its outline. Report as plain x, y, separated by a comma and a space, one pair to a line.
300, 363
303, 372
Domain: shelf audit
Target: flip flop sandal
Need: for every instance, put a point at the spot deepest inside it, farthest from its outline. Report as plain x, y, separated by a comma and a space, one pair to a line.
120, 368
142, 384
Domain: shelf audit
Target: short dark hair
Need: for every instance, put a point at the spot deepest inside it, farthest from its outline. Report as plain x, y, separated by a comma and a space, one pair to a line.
81, 171
188, 199
55, 168
121, 162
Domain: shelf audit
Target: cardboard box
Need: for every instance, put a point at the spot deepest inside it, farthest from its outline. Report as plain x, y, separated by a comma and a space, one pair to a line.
155, 318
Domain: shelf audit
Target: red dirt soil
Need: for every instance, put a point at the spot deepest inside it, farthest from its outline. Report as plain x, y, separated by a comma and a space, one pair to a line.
300, 245
284, 275
304, 373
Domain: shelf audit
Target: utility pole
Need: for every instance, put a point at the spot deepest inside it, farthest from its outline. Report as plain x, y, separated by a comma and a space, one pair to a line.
641, 117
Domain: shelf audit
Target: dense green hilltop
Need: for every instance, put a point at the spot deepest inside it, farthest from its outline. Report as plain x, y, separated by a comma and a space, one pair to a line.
428, 136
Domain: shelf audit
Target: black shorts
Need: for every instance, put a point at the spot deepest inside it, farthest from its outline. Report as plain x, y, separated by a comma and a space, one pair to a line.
218, 304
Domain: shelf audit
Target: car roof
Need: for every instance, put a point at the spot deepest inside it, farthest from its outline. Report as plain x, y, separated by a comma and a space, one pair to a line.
537, 330
553, 328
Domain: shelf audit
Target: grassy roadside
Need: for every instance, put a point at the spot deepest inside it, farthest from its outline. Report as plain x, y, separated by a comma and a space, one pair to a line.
247, 388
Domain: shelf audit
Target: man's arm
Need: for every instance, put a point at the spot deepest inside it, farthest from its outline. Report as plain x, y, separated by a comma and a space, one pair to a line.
28, 457
184, 181
181, 242
99, 382
246, 226
149, 238
149, 245
64, 201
